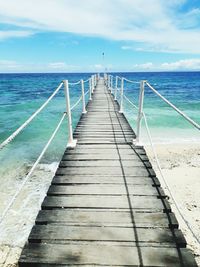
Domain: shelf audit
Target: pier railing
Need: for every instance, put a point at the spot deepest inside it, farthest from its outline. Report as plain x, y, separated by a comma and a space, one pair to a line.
118, 89
92, 81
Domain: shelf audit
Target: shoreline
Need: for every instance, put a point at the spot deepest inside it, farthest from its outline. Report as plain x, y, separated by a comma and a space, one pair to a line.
19, 220
180, 164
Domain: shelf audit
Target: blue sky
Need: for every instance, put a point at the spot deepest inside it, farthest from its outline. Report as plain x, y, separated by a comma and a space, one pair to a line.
70, 35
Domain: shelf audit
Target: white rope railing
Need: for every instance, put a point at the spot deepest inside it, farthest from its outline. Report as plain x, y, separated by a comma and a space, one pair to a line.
130, 102
165, 182
87, 92
130, 81
74, 83
71, 142
27, 122
76, 104
32, 169
174, 107
141, 115
85, 81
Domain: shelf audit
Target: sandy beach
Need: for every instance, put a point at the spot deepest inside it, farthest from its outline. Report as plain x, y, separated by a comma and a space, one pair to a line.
19, 220
181, 167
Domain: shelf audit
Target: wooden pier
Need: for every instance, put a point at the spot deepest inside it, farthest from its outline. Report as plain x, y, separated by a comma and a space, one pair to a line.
105, 206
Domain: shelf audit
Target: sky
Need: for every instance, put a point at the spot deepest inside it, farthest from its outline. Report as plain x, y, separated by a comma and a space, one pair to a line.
72, 35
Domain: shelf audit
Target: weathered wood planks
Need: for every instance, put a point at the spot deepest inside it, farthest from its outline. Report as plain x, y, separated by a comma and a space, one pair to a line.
105, 206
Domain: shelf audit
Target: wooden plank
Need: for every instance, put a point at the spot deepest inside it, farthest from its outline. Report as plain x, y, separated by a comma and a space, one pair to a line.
100, 163
92, 189
142, 203
41, 255
101, 171
90, 179
142, 236
99, 156
107, 218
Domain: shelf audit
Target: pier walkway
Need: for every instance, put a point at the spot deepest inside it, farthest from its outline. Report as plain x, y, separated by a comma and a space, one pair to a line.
105, 206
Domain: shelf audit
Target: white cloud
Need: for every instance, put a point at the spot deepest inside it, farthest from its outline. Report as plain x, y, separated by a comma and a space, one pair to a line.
57, 65
144, 66
186, 64
152, 23
98, 67
13, 66
11, 34
181, 65
61, 66
8, 65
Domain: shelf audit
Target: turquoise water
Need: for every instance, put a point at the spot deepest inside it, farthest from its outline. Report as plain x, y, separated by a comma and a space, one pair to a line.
22, 94
167, 126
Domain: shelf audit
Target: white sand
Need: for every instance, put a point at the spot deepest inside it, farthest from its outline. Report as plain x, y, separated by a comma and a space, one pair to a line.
18, 223
181, 168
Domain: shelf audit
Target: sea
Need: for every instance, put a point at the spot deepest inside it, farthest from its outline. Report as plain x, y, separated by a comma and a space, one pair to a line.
22, 94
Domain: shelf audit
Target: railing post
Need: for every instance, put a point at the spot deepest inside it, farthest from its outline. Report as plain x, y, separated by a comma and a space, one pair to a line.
106, 79
71, 142
121, 96
90, 88
95, 80
83, 97
140, 111
111, 83
92, 84
116, 86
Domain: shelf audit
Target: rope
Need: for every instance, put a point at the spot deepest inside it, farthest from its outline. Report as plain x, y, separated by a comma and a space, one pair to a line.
75, 83
125, 79
26, 123
86, 92
77, 102
174, 107
165, 182
86, 80
32, 169
130, 102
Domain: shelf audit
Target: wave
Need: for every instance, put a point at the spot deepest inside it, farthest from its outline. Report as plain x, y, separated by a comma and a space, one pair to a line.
21, 216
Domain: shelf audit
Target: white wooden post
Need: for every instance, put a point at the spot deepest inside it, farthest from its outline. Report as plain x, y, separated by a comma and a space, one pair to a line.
140, 112
90, 89
83, 97
116, 87
95, 78
92, 84
121, 96
111, 83
71, 142
106, 79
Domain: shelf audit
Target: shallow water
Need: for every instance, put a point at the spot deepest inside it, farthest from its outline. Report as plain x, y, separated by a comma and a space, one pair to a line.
22, 94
